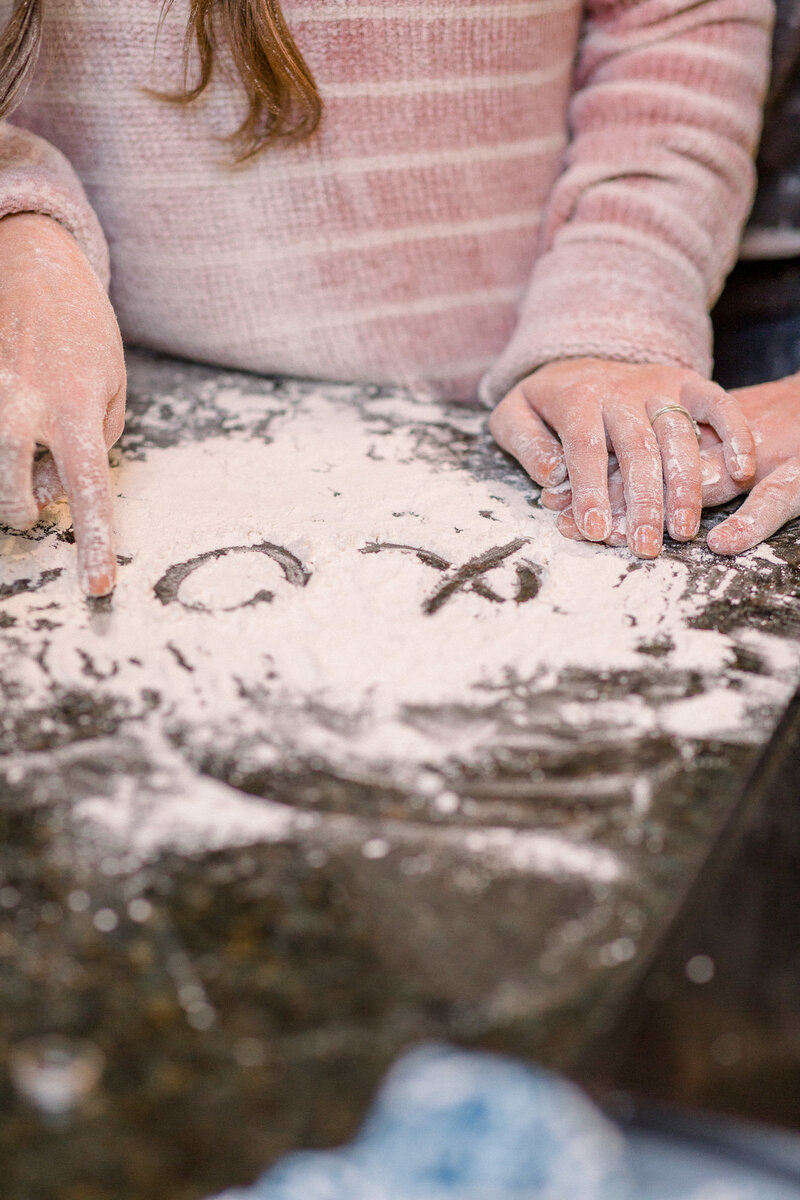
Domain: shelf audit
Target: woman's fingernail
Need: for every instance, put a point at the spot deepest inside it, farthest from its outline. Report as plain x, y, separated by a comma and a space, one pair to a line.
557, 473
647, 541
724, 541
735, 534
743, 465
685, 523
565, 524
596, 524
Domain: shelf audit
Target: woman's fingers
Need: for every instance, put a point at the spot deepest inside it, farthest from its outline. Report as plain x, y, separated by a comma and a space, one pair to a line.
718, 487
639, 457
680, 460
593, 405
520, 432
583, 437
18, 509
710, 403
81, 459
565, 524
557, 498
560, 497
76, 469
771, 503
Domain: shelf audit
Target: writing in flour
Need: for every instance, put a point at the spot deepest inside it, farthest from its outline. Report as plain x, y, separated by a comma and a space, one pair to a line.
348, 590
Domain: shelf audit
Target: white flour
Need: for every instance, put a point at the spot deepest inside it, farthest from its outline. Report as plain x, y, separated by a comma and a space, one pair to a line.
346, 665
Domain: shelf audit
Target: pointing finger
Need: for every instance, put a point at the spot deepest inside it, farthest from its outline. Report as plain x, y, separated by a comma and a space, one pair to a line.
82, 461
771, 503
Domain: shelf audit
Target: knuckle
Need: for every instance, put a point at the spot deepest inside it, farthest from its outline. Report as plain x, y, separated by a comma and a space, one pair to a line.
638, 442
644, 480
788, 476
644, 512
524, 445
594, 442
586, 498
585, 445
577, 403
686, 494
92, 483
679, 477
648, 443
773, 492
724, 406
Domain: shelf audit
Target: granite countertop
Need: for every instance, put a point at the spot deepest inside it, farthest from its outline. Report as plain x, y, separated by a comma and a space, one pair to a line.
361, 752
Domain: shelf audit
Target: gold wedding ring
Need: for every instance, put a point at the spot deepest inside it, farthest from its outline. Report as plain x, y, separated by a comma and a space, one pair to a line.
676, 408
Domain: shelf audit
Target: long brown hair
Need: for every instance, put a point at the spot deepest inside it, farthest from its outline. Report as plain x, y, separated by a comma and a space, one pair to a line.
282, 98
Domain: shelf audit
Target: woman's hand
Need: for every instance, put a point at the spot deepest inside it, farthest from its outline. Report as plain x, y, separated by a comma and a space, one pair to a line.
593, 405
773, 413
62, 385
773, 410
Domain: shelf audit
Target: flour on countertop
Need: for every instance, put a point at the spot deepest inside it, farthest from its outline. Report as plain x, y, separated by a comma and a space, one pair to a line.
313, 584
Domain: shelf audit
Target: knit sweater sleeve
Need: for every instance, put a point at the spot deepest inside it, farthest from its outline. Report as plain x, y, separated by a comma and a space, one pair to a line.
37, 178
642, 225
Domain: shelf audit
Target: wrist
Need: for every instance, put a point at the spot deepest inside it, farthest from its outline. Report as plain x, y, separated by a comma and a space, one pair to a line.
31, 239
34, 227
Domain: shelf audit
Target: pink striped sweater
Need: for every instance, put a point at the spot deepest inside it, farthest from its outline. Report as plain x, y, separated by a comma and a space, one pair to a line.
497, 183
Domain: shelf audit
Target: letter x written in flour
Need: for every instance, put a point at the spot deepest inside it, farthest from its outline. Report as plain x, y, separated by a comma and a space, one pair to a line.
471, 576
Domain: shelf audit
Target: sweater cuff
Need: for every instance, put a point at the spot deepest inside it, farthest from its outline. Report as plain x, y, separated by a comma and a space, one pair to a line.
612, 300
37, 178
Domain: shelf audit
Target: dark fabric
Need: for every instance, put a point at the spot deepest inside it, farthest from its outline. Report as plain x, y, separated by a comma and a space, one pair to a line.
778, 198
772, 289
757, 351
759, 291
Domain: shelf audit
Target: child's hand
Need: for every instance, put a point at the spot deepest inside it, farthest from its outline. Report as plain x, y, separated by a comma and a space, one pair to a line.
62, 385
592, 405
773, 412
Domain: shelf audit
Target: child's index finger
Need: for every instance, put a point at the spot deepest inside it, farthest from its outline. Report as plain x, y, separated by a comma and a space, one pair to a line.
81, 457
772, 502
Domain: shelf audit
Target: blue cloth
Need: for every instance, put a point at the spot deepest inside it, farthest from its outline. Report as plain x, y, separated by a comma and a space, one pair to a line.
453, 1125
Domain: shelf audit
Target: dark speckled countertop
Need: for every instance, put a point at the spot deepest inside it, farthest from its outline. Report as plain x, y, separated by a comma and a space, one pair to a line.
247, 989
